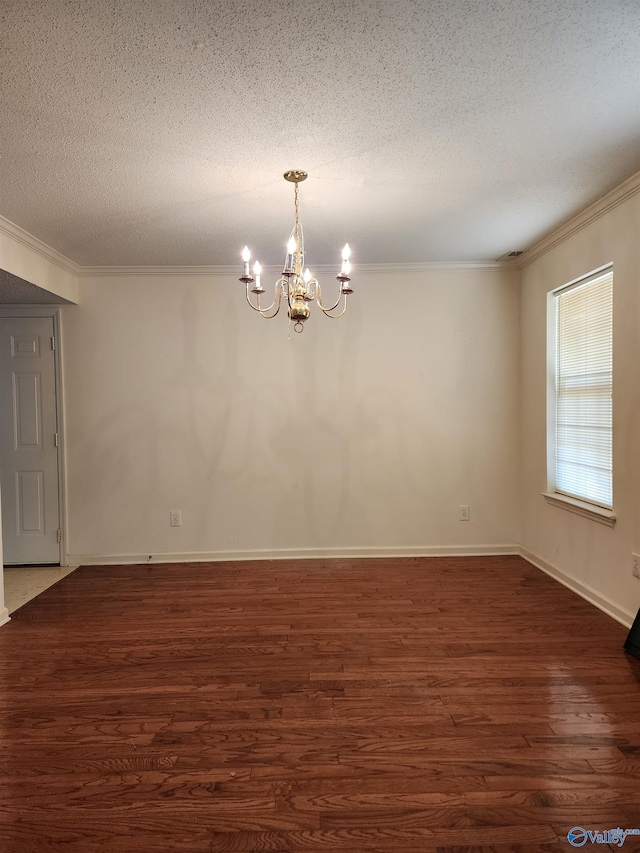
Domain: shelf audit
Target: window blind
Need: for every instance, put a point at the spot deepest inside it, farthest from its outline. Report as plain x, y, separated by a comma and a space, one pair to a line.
584, 374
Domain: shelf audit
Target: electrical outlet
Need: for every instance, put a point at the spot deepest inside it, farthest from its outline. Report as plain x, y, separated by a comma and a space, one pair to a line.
636, 565
464, 513
175, 518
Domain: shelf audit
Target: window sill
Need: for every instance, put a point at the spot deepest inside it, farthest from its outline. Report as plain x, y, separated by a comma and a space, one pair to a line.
595, 513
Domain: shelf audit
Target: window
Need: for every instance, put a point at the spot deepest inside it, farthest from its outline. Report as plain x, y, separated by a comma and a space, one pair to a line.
581, 464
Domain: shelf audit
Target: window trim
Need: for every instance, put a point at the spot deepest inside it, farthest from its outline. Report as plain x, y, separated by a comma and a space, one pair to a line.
552, 495
592, 511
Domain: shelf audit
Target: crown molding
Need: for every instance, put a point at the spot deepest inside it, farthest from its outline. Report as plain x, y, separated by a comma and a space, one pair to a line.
433, 266
612, 199
156, 271
274, 271
15, 232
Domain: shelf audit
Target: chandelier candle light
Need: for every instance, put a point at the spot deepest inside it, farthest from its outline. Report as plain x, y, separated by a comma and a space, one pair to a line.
298, 288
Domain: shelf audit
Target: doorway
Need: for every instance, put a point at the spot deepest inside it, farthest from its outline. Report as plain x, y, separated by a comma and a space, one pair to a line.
30, 479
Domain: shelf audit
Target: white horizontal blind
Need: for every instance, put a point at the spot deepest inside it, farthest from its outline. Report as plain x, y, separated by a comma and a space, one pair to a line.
584, 373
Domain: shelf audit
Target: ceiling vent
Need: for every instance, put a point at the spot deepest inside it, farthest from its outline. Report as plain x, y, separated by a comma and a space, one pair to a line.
509, 256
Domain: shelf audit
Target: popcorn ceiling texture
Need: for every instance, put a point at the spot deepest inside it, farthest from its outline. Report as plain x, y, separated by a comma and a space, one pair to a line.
17, 291
157, 131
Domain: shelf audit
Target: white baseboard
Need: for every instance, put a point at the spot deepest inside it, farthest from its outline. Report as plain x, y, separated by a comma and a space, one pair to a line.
625, 617
4, 616
293, 554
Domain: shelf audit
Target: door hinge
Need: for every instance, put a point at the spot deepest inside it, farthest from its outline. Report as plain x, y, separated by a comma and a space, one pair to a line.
53, 343
59, 536
56, 439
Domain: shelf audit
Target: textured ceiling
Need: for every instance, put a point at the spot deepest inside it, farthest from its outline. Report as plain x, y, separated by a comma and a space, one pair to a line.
156, 131
17, 291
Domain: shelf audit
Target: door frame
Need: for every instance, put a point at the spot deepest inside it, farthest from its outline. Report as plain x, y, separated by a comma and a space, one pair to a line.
22, 312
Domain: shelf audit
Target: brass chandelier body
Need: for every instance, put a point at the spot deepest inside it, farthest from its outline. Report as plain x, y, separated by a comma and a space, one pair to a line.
296, 287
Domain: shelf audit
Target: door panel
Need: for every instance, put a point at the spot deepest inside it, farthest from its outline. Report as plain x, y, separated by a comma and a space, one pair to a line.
27, 408
30, 501
28, 452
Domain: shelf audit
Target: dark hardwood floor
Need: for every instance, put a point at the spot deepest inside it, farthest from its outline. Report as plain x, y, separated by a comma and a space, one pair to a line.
381, 705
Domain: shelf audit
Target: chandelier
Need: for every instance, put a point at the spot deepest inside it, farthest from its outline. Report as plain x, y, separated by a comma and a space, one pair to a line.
298, 288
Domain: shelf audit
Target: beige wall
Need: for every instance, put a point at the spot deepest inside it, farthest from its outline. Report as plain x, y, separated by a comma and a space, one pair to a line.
589, 556
362, 434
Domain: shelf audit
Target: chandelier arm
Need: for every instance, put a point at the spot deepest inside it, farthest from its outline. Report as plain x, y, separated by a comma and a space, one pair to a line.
312, 287
326, 311
333, 307
277, 299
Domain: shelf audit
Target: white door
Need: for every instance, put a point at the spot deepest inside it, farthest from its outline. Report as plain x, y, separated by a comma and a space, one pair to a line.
28, 442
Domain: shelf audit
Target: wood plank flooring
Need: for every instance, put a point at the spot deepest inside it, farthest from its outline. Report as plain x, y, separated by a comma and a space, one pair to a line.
364, 706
